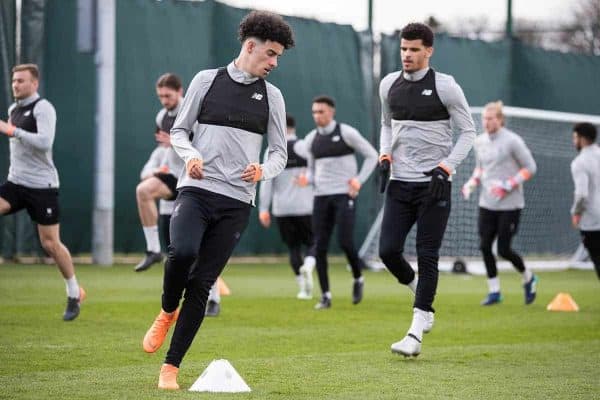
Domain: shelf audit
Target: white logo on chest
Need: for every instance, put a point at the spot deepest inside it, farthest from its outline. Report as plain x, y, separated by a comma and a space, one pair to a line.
27, 113
336, 138
257, 96
427, 92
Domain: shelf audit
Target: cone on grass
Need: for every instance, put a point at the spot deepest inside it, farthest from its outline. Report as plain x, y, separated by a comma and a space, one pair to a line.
220, 377
563, 302
223, 288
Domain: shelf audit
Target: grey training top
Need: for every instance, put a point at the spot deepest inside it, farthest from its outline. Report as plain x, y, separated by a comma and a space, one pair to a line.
31, 163
165, 207
289, 199
501, 156
585, 169
330, 175
227, 151
419, 146
171, 159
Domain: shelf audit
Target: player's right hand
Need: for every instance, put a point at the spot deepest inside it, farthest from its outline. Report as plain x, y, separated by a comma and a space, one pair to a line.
385, 162
265, 218
301, 180
194, 168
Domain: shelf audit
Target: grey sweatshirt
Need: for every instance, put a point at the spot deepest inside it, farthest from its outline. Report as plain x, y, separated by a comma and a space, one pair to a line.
585, 169
419, 146
155, 161
31, 163
501, 156
330, 175
288, 198
171, 158
227, 151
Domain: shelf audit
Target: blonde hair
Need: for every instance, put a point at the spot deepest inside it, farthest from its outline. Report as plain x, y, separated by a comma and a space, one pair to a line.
32, 68
496, 106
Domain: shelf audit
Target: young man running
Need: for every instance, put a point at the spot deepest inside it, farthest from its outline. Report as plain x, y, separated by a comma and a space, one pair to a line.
235, 108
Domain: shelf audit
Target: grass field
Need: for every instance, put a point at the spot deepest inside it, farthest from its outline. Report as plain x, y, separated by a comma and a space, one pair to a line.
286, 350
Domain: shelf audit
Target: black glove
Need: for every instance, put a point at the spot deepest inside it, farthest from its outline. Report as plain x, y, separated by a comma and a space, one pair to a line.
439, 187
384, 174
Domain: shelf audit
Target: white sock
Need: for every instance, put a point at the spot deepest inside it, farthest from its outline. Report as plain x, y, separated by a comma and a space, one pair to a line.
360, 279
413, 285
527, 275
72, 287
327, 294
493, 285
152, 240
301, 281
418, 323
214, 294
309, 262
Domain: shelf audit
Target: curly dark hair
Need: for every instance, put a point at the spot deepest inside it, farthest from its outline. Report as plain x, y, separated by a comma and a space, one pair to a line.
416, 31
586, 130
265, 25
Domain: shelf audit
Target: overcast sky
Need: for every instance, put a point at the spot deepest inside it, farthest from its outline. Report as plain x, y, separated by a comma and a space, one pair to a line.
389, 15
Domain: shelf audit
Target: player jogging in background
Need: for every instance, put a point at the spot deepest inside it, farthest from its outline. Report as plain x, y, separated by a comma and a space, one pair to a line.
585, 169
32, 182
235, 109
161, 183
419, 105
291, 199
503, 164
330, 150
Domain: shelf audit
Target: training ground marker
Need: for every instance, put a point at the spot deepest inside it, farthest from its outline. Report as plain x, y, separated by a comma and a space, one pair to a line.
220, 377
563, 302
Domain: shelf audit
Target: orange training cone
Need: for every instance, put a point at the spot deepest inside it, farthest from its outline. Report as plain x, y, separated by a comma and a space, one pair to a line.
563, 302
223, 288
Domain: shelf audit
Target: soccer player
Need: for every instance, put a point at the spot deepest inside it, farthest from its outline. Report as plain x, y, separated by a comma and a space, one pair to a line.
330, 150
585, 169
162, 183
292, 203
32, 182
504, 163
419, 106
235, 108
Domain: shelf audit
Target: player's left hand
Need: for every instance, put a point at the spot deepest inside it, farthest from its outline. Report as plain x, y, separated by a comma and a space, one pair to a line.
439, 187
576, 219
252, 173
353, 187
163, 137
501, 188
7, 128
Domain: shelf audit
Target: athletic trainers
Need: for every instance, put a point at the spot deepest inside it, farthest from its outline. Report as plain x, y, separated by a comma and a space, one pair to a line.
74, 306
168, 377
324, 303
492, 298
357, 291
430, 318
304, 295
157, 333
530, 289
410, 346
150, 259
212, 309
306, 271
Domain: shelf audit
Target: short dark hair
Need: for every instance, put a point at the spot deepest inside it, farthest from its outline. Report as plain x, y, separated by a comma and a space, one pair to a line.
169, 80
586, 130
416, 31
265, 26
290, 122
324, 99
32, 68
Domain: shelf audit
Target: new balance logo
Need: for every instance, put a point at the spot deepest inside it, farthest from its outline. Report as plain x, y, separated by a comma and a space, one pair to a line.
27, 113
335, 139
427, 92
257, 96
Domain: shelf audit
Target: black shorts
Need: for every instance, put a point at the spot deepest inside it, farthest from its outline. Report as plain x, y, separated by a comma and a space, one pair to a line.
41, 204
171, 181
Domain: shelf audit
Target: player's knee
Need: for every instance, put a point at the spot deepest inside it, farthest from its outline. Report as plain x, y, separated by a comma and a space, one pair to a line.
485, 247
50, 245
505, 252
425, 251
389, 254
142, 192
182, 254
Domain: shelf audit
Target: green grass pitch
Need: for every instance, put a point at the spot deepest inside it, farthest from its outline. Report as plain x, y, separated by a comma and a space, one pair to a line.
286, 350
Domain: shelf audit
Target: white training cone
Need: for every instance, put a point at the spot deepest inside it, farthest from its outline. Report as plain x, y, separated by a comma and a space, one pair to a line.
220, 376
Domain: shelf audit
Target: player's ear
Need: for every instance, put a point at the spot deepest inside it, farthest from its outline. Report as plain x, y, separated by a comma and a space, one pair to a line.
428, 52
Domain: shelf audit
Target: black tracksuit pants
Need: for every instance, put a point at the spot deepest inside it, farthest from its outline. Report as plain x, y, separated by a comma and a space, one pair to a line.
205, 228
504, 225
407, 203
591, 241
329, 211
296, 231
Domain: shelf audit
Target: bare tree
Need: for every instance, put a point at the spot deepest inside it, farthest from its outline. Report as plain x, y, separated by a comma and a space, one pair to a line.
582, 34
